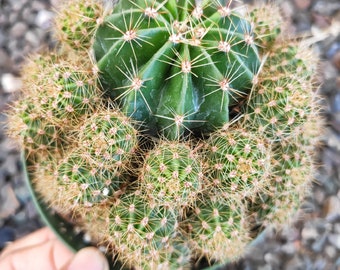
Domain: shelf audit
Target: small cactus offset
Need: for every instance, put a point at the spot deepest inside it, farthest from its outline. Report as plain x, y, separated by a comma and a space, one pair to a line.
170, 130
172, 175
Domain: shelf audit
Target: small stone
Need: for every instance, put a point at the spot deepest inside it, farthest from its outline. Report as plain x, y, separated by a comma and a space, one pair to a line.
294, 264
326, 8
309, 233
272, 259
31, 37
10, 83
17, 5
330, 251
38, 5
18, 30
334, 239
319, 244
7, 235
5, 61
336, 228
8, 202
319, 195
44, 19
336, 60
265, 267
289, 248
333, 49
302, 4
331, 207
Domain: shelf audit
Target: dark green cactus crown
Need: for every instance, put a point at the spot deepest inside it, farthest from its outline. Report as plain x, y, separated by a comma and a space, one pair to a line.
176, 66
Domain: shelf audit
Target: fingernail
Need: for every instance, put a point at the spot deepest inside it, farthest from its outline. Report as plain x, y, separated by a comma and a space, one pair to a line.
89, 258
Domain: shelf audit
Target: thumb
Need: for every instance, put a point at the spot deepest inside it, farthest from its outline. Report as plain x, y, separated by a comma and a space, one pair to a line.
88, 258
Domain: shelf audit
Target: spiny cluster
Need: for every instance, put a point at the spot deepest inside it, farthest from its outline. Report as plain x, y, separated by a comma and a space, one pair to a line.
169, 130
172, 175
75, 24
59, 90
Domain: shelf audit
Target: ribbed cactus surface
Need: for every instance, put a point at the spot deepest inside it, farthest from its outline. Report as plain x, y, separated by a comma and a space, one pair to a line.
176, 66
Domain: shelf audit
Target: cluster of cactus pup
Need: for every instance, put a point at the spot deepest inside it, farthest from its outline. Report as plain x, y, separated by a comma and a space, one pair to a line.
170, 129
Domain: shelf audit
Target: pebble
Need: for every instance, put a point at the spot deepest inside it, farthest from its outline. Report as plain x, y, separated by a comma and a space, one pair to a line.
309, 233
31, 37
5, 61
7, 235
330, 251
18, 30
303, 4
326, 8
336, 60
8, 202
332, 207
44, 19
319, 245
10, 83
334, 239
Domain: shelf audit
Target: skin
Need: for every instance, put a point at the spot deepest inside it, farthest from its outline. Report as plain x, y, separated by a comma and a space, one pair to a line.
42, 250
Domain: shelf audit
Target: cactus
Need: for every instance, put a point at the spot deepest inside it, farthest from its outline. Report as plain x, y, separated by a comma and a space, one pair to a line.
238, 162
139, 229
76, 23
171, 175
109, 139
170, 130
183, 43
217, 224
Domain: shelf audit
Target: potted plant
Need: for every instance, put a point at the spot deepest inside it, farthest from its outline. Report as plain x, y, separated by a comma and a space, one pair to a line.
168, 131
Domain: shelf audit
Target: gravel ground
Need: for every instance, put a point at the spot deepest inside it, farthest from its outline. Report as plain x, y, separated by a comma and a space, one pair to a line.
310, 242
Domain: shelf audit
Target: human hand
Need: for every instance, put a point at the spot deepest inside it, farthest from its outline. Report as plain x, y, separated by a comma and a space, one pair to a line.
42, 250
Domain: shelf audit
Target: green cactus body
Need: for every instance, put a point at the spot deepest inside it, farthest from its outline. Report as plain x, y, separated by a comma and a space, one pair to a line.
73, 93
30, 126
172, 175
63, 88
139, 229
77, 21
217, 228
283, 98
238, 162
175, 65
85, 182
109, 139
292, 164
268, 24
176, 255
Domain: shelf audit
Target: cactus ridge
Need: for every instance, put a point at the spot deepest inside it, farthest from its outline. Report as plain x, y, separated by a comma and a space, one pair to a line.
181, 44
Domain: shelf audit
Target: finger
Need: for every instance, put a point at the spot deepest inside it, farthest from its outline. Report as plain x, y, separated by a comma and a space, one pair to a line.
50, 255
89, 258
40, 236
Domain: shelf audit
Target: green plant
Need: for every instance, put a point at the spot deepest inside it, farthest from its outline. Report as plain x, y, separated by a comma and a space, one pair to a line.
167, 71
172, 129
